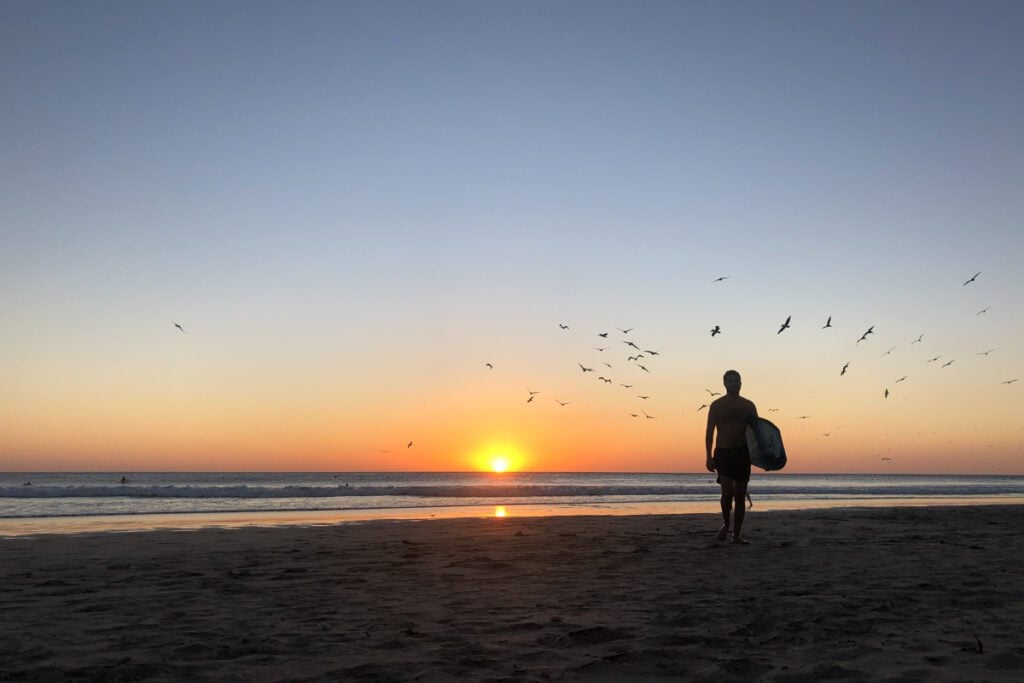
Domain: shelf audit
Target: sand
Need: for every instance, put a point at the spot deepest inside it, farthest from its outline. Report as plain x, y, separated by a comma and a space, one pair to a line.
881, 594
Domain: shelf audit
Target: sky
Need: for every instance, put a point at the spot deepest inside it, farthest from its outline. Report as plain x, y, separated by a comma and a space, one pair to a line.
351, 208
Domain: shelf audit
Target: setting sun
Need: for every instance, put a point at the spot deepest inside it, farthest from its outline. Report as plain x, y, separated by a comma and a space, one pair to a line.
499, 463
498, 458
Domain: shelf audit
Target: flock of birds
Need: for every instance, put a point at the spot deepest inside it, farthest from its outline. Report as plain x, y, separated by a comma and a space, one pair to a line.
637, 353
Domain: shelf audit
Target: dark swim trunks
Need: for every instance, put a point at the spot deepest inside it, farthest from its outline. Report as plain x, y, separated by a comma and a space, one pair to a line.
733, 463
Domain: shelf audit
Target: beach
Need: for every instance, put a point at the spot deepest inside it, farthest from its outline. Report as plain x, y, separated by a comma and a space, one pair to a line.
923, 593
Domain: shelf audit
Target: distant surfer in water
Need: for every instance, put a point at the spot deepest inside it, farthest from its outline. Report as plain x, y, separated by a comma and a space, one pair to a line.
730, 415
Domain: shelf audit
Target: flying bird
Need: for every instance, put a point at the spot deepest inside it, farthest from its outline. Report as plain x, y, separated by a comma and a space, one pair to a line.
409, 445
803, 417
643, 398
180, 328
600, 348
629, 343
489, 366
649, 417
946, 365
530, 400
889, 351
713, 393
719, 279
932, 360
563, 326
886, 393
716, 330
605, 380
828, 323
985, 353
871, 330
627, 386
773, 410
642, 368
917, 340
785, 325
626, 331
532, 392
973, 278
561, 403
702, 407
585, 369
652, 353
602, 334
843, 371
900, 379
984, 310
1009, 381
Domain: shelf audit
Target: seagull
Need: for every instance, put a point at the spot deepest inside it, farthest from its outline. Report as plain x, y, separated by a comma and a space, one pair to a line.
719, 279
643, 398
784, 325
532, 392
605, 380
642, 368
889, 351
561, 403
973, 278
530, 400
900, 379
828, 323
180, 328
652, 353
585, 369
803, 417
627, 386
871, 330
886, 393
563, 326
985, 353
649, 417
713, 393
489, 366
1009, 381
984, 310
773, 410
602, 334
629, 343
946, 365
717, 329
600, 348
608, 365
843, 371
917, 340
409, 445
932, 360
626, 331
886, 458
634, 414
636, 357
827, 434
702, 407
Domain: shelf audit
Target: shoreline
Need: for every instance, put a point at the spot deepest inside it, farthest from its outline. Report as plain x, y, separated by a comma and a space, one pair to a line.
932, 593
14, 527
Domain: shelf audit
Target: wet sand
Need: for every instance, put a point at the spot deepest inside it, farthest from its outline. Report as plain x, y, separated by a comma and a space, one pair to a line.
886, 594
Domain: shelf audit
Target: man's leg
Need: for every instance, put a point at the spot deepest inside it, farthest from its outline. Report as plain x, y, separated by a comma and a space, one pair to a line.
741, 509
728, 493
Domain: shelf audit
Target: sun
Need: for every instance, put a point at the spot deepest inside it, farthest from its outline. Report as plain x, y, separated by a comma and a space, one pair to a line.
498, 458
499, 463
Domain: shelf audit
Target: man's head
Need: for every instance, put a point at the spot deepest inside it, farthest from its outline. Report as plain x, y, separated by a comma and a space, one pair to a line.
732, 381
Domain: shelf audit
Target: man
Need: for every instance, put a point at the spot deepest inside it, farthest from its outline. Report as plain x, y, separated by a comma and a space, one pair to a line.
730, 415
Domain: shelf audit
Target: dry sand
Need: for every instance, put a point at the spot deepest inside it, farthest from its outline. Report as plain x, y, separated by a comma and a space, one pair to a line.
881, 594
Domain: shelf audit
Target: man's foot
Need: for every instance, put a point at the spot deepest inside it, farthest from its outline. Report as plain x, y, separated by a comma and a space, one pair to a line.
739, 540
723, 532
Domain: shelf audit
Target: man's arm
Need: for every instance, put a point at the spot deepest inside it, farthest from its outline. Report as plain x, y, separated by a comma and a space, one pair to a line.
709, 437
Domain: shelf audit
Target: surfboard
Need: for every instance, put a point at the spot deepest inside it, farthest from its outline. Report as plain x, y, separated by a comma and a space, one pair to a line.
764, 443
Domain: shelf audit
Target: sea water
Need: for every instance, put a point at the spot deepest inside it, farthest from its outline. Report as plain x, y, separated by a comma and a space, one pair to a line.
75, 497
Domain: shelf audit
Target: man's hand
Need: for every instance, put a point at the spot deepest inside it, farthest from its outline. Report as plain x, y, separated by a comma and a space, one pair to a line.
710, 464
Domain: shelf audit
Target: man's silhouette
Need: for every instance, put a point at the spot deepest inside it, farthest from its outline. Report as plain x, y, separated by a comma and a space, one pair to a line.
730, 415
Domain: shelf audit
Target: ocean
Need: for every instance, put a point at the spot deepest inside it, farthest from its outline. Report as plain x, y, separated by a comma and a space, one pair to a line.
58, 502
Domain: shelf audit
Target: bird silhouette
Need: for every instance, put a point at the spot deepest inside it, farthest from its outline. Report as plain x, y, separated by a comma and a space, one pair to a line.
985, 353
716, 330
180, 328
702, 407
719, 279
605, 380
843, 371
900, 379
785, 325
561, 403
409, 445
643, 398
627, 386
602, 334
946, 365
652, 353
642, 368
984, 310
871, 330
489, 366
828, 323
886, 393
1009, 381
803, 417
917, 340
563, 326
531, 392
649, 417
889, 351
973, 278
629, 343
713, 393
585, 369
600, 348
932, 360
529, 400
626, 331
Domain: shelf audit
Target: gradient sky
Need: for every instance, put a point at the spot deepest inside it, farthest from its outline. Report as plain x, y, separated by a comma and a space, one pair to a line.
351, 207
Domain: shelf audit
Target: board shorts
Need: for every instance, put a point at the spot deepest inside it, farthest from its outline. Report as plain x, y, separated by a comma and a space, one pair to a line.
733, 463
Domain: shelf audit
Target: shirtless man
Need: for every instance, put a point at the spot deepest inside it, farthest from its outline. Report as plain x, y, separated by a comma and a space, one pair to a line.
730, 415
